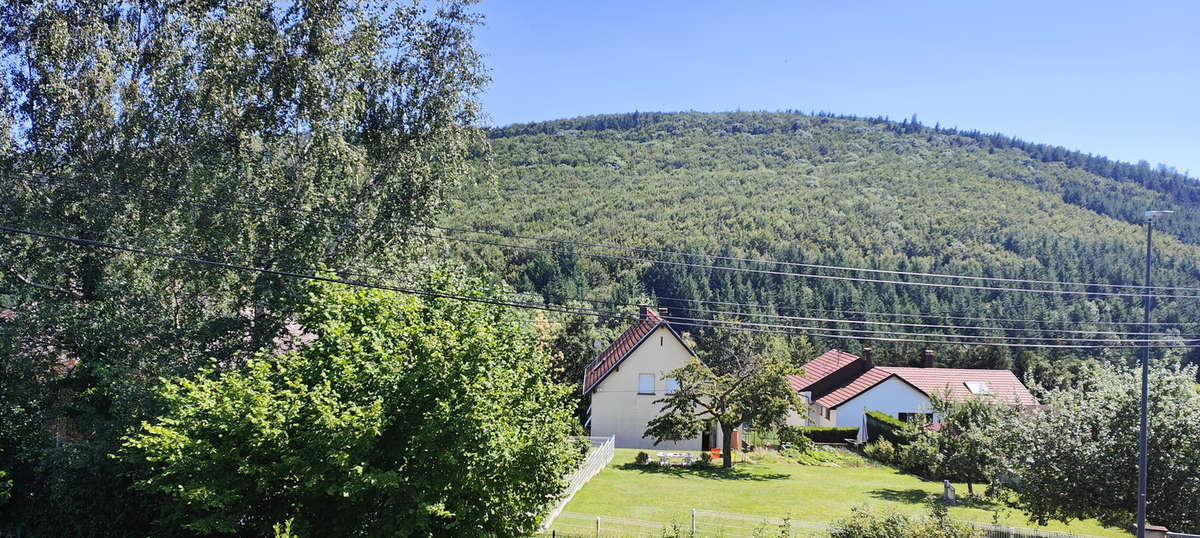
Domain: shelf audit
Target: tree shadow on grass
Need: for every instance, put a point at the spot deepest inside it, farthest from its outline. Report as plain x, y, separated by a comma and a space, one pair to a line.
910, 496
714, 472
918, 496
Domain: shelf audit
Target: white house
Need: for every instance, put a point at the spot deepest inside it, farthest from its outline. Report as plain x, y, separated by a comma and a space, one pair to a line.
625, 380
841, 387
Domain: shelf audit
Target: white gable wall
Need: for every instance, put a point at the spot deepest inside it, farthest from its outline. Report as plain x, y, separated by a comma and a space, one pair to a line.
618, 409
892, 397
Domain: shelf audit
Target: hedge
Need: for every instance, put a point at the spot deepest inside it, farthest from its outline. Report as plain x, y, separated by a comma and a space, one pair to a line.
829, 434
881, 425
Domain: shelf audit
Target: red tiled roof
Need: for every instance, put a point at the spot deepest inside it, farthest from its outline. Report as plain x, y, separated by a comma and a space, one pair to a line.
856, 386
1003, 384
620, 348
828, 363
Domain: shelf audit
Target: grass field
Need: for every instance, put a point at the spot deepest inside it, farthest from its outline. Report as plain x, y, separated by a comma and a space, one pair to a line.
634, 499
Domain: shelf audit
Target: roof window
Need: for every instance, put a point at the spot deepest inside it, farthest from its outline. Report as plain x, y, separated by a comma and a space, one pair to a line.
978, 387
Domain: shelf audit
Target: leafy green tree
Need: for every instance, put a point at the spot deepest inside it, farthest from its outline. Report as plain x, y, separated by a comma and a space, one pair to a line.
403, 416
742, 388
1077, 457
285, 135
966, 450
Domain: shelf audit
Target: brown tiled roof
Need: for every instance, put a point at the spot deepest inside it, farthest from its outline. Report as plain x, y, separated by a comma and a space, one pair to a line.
620, 348
856, 386
1003, 384
828, 363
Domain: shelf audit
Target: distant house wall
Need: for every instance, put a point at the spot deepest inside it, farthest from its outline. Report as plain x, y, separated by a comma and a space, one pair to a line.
806, 417
618, 409
892, 397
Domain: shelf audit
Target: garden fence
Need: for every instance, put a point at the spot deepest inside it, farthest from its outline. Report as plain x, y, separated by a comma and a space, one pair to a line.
600, 453
1004, 531
708, 523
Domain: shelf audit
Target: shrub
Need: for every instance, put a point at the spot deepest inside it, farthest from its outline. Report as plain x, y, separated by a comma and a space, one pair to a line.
829, 434
883, 426
642, 458
794, 436
920, 456
882, 451
863, 522
705, 458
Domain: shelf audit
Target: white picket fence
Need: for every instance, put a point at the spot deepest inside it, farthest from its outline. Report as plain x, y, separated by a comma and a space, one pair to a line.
600, 453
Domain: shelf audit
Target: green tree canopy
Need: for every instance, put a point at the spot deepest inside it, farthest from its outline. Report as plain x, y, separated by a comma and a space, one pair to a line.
404, 416
1077, 458
747, 384
280, 134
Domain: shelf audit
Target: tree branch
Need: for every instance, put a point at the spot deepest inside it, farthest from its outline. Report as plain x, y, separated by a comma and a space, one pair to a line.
46, 287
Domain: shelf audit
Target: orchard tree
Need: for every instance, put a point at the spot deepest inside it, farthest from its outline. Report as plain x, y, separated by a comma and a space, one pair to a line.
749, 385
966, 450
403, 416
1077, 457
279, 134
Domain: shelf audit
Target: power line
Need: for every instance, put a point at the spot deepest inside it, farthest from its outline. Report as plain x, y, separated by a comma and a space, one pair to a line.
905, 315
780, 329
822, 277
739, 269
824, 320
901, 333
346, 271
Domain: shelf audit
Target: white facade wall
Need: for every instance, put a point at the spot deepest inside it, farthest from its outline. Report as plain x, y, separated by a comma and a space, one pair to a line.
618, 409
892, 397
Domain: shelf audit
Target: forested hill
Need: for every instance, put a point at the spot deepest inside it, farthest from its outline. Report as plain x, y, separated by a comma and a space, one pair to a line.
838, 191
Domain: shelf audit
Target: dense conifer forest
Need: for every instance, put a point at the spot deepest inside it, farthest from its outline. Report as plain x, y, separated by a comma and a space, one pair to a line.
831, 190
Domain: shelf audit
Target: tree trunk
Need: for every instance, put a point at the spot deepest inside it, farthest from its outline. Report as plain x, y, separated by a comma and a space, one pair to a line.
969, 491
726, 441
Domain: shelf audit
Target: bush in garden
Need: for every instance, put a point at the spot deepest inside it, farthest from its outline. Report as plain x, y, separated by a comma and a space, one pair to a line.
794, 435
920, 456
642, 458
865, 522
882, 451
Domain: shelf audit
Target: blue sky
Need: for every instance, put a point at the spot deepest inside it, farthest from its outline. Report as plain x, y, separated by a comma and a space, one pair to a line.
1106, 78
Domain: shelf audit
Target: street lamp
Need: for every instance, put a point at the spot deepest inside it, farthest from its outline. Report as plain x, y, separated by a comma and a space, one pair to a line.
1141, 508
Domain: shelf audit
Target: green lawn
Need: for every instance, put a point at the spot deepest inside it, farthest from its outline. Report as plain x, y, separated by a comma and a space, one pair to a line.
630, 499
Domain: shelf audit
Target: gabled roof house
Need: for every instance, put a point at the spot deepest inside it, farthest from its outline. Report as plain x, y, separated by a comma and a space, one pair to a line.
841, 387
625, 379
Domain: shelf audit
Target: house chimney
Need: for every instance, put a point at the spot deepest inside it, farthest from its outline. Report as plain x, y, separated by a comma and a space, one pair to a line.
867, 357
642, 308
928, 359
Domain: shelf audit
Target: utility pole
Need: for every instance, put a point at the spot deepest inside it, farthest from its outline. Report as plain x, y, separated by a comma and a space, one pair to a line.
1141, 507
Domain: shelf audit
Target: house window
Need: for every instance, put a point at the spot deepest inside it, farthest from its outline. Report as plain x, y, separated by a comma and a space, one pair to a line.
672, 385
645, 383
912, 417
